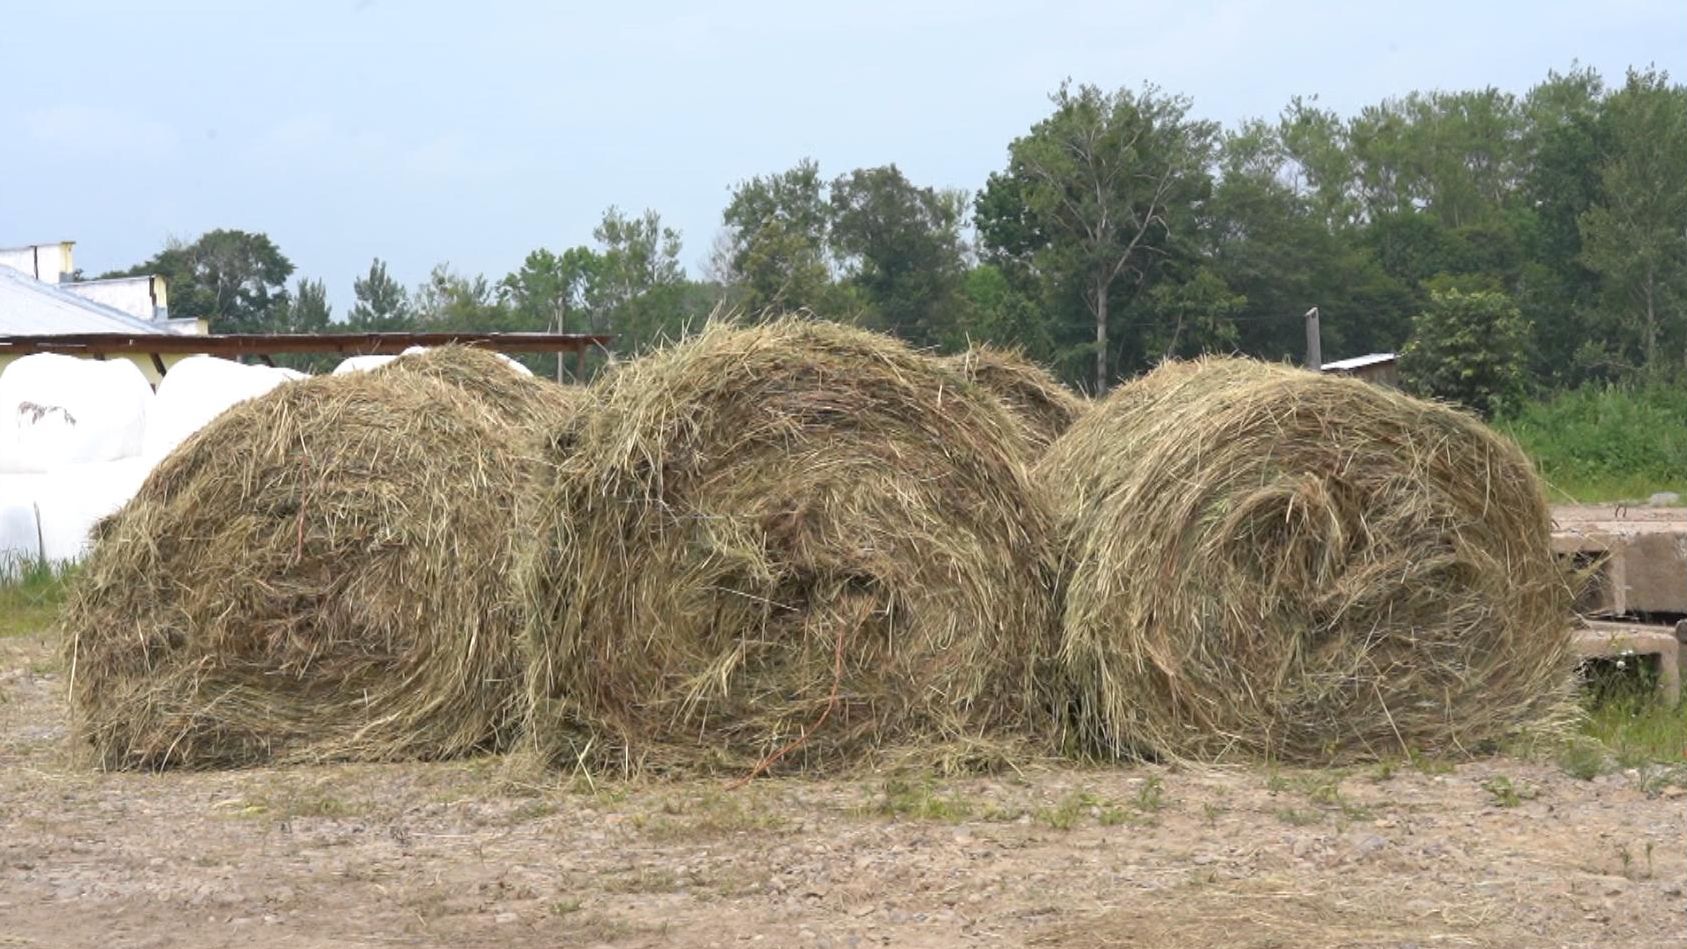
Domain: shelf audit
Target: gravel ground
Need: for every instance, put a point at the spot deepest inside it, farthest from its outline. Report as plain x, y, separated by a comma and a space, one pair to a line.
1500, 852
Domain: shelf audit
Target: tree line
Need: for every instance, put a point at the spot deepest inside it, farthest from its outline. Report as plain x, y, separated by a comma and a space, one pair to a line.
1500, 242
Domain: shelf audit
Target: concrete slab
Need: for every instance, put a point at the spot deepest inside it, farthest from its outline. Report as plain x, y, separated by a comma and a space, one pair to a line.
1606, 640
1636, 557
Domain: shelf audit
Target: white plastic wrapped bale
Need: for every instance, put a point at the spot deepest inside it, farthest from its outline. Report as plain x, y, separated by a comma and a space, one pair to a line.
70, 501
20, 535
197, 390
361, 364
60, 410
510, 361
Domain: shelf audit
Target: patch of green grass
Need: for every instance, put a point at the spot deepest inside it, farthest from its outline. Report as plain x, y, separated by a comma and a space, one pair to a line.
31, 594
1607, 443
922, 801
1624, 715
1322, 789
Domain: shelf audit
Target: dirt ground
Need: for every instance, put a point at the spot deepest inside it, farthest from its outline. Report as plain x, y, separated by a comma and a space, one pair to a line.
1502, 852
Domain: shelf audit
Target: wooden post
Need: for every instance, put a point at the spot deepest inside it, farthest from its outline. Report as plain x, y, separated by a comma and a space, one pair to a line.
1314, 345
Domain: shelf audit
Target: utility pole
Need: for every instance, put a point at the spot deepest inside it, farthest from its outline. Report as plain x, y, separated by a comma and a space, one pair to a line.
1314, 346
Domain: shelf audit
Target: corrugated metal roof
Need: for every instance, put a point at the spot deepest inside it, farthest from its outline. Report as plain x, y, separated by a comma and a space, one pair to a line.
30, 307
1358, 362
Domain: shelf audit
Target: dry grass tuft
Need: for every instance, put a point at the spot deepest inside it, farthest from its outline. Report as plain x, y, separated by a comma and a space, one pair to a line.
788, 545
320, 574
1044, 407
522, 398
1266, 562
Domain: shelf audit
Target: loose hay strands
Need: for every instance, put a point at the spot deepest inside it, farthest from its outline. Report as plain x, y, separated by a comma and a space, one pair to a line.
788, 545
1044, 406
1267, 562
320, 573
521, 398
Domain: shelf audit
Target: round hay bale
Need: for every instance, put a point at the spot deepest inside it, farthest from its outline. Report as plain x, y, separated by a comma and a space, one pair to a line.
787, 546
319, 574
1264, 561
506, 386
1044, 407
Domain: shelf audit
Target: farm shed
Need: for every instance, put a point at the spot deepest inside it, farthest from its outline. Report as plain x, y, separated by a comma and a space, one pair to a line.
1380, 368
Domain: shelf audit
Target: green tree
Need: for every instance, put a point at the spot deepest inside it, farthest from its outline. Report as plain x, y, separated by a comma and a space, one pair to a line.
775, 254
637, 287
1467, 348
901, 246
306, 311
1196, 315
549, 291
382, 305
1563, 145
1635, 237
548, 294
234, 279
1093, 194
450, 301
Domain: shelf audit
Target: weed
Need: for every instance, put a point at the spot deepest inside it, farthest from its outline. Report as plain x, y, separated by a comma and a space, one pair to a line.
1298, 818
31, 593
531, 810
714, 813
1151, 797
565, 907
1624, 715
1063, 816
1507, 794
1211, 812
899, 798
1582, 758
1429, 765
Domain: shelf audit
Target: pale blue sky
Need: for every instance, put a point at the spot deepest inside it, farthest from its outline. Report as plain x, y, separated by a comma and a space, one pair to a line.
473, 132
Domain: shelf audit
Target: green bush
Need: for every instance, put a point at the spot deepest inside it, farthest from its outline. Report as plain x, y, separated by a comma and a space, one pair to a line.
1602, 443
1467, 347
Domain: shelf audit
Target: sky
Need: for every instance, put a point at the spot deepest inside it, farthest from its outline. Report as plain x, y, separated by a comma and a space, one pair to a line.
474, 132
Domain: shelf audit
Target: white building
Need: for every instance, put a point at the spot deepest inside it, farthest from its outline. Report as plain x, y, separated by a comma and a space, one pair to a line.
38, 298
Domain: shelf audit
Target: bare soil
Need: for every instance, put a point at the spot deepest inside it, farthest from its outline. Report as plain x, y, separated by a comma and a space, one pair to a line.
1500, 852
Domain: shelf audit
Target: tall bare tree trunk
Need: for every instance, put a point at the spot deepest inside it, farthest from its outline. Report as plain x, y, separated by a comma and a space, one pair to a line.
1100, 338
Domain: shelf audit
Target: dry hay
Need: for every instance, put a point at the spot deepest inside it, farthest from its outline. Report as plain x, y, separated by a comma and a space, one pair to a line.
321, 573
1267, 562
1044, 406
479, 372
790, 545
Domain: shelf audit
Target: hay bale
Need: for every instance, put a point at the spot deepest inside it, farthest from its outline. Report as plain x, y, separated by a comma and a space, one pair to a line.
795, 529
319, 574
1043, 406
1268, 562
505, 385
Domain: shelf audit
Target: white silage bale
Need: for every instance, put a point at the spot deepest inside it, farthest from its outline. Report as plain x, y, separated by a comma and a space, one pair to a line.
70, 501
60, 410
361, 364
197, 390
